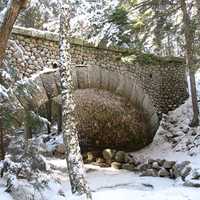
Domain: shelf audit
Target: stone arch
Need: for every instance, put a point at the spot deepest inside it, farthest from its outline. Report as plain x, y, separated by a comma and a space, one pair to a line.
47, 85
122, 84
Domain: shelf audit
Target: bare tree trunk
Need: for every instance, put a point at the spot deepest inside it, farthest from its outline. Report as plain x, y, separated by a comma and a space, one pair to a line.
12, 11
73, 156
49, 114
2, 152
59, 119
189, 40
27, 126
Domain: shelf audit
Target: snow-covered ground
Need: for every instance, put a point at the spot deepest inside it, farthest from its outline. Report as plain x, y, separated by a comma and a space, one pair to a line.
108, 183
175, 126
174, 140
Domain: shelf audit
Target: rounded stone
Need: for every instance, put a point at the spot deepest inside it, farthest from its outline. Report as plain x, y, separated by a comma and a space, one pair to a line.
169, 164
129, 167
108, 154
149, 172
155, 165
116, 165
100, 160
163, 173
120, 156
90, 157
185, 172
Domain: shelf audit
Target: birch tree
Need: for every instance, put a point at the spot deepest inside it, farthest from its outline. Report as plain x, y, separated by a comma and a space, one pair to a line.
73, 156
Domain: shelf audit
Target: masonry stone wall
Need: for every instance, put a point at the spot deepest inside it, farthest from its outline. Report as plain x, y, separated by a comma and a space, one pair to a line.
163, 82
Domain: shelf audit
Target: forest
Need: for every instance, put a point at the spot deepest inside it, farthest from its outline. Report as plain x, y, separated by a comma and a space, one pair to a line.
99, 99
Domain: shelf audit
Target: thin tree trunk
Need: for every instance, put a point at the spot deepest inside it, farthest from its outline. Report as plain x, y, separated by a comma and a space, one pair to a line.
2, 152
189, 40
12, 11
59, 119
70, 135
27, 127
49, 115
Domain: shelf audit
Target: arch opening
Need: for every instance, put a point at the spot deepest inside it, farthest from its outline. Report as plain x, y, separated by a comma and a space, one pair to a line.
112, 109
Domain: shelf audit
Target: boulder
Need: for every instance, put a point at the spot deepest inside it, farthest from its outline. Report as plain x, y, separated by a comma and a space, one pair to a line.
143, 166
130, 159
129, 167
155, 165
178, 167
169, 164
100, 160
149, 172
163, 173
108, 155
116, 165
185, 172
160, 161
90, 156
192, 183
120, 156
151, 161
196, 174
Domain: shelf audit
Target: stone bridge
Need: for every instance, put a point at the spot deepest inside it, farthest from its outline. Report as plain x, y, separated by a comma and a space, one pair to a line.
134, 93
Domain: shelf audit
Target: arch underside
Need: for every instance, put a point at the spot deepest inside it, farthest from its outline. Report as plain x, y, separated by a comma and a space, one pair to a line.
47, 85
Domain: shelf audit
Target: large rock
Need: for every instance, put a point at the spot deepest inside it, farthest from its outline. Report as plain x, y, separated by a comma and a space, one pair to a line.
155, 165
143, 166
149, 172
129, 167
163, 173
179, 167
196, 174
169, 164
192, 183
108, 154
130, 159
120, 156
185, 172
116, 165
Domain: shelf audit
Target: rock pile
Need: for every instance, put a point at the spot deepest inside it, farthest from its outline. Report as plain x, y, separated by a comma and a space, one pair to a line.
150, 167
193, 180
176, 131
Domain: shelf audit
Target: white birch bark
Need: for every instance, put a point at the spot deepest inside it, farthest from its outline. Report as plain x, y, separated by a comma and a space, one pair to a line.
73, 156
